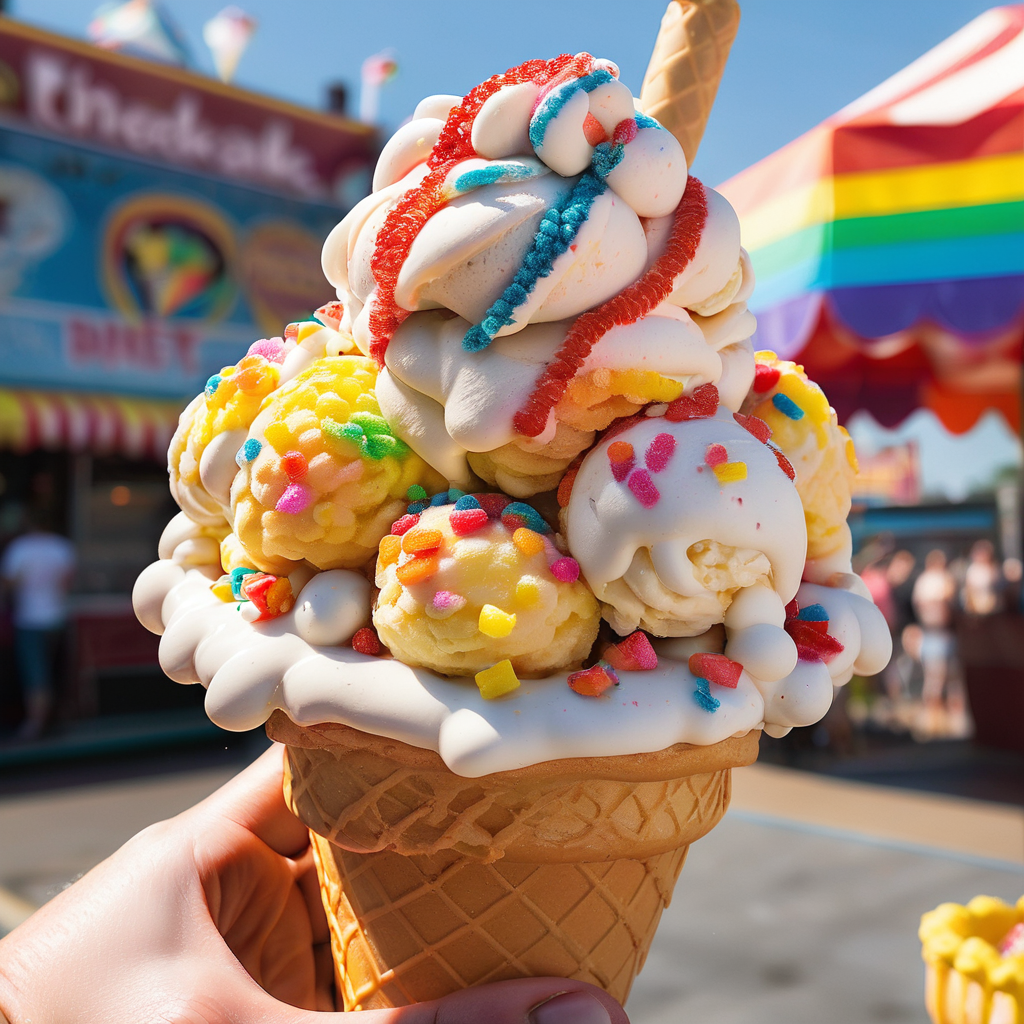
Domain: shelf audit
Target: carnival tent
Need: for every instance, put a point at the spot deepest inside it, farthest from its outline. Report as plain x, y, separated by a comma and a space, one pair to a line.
888, 241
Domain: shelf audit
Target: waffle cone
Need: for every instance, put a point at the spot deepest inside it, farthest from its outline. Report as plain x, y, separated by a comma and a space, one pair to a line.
686, 66
433, 882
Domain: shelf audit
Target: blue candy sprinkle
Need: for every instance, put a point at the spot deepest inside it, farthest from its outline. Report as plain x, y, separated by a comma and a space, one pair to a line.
248, 451
497, 174
703, 697
466, 501
643, 121
212, 384
813, 613
454, 493
416, 507
237, 575
439, 499
787, 406
533, 519
553, 103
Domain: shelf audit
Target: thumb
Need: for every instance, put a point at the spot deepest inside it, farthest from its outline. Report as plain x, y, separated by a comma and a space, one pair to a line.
523, 1001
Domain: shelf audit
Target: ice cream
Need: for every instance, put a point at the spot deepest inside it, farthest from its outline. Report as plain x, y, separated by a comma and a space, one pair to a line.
536, 300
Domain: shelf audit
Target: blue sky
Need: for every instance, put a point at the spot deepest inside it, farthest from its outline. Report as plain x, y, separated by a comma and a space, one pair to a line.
794, 63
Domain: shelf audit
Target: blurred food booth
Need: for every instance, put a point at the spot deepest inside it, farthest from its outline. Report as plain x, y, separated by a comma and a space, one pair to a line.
153, 223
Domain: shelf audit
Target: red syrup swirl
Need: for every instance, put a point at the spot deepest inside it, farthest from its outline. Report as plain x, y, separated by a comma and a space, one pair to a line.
630, 305
407, 218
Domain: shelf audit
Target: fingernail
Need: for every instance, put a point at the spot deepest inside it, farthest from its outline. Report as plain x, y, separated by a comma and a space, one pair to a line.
570, 1008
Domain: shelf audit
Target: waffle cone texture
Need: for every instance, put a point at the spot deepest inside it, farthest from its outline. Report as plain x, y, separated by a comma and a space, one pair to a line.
686, 67
433, 882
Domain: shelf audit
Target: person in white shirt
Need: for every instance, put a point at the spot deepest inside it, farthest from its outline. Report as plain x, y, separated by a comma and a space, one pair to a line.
37, 568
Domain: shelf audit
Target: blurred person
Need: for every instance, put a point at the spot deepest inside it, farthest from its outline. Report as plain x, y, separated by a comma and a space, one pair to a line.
932, 597
37, 568
1013, 572
215, 917
982, 592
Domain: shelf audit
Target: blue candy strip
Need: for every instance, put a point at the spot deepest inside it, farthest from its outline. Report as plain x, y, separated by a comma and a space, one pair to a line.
643, 121
465, 502
558, 228
495, 174
552, 104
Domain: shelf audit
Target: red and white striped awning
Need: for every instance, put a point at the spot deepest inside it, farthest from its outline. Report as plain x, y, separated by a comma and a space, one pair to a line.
101, 424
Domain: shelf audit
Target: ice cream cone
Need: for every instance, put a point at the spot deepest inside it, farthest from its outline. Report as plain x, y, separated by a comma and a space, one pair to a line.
433, 882
686, 66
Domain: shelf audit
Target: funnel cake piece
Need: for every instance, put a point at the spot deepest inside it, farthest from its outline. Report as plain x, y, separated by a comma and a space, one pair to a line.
468, 584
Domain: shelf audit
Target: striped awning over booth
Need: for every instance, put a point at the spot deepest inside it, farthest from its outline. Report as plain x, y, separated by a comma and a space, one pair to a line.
101, 424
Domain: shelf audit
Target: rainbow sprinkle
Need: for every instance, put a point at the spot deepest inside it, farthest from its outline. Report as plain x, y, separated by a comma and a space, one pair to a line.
787, 406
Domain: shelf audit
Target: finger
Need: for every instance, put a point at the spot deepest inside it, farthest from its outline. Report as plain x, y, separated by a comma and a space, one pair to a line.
254, 799
525, 1001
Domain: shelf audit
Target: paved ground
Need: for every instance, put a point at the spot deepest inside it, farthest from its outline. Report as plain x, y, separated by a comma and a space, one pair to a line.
802, 906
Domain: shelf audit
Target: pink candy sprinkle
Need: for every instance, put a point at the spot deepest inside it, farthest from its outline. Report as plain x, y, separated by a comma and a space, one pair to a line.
272, 349
296, 499
403, 525
566, 570
642, 486
467, 520
592, 682
716, 455
716, 668
445, 600
621, 458
492, 504
659, 452
634, 654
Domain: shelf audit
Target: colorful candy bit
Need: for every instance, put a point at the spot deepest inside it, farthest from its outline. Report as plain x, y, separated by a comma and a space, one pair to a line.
702, 404
566, 570
765, 378
730, 472
528, 541
417, 569
248, 451
416, 493
813, 613
330, 314
642, 486
495, 623
454, 494
407, 522
659, 452
715, 455
518, 513
493, 504
271, 349
716, 668
446, 601
296, 499
497, 680
784, 464
272, 595
366, 641
634, 654
787, 406
439, 499
467, 520
237, 576
527, 592
622, 459
294, 465
702, 695
755, 425
592, 682
390, 548
467, 501
418, 541
593, 131
212, 384
811, 644
223, 590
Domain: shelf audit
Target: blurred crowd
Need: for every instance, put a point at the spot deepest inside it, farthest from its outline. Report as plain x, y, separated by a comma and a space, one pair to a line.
926, 602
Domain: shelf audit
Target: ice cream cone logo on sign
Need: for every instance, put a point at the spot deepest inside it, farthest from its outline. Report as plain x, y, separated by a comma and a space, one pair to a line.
165, 256
282, 275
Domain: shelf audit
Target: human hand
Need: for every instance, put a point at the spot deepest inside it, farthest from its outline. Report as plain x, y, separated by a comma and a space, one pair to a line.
214, 917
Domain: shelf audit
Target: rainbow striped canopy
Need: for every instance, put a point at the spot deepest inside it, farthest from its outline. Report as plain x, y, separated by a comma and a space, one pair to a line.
888, 241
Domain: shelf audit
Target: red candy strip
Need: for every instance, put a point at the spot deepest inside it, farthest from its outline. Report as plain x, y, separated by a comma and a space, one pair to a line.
492, 504
715, 455
407, 522
784, 464
716, 668
468, 520
642, 486
659, 452
701, 405
627, 307
810, 644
